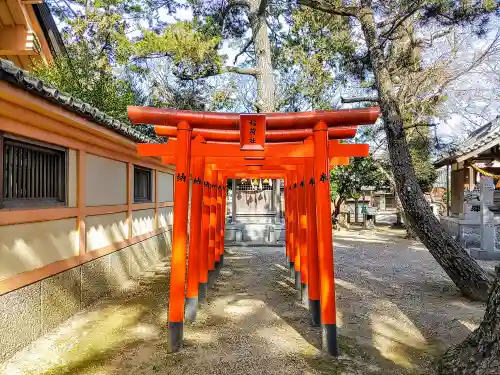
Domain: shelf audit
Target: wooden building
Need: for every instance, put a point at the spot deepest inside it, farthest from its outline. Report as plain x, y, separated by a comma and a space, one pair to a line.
28, 33
476, 156
81, 215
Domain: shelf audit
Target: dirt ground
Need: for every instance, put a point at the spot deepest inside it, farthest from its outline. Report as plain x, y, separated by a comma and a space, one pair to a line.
396, 312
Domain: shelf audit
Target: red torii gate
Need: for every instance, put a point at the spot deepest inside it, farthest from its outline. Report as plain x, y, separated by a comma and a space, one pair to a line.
298, 147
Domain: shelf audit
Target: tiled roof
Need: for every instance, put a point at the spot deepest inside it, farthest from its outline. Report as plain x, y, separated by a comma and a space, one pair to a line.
11, 73
479, 138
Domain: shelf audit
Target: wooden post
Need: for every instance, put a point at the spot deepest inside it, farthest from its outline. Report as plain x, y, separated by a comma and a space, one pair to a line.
213, 222
195, 239
325, 247
218, 218
287, 223
312, 248
178, 270
296, 228
303, 236
223, 220
202, 293
291, 220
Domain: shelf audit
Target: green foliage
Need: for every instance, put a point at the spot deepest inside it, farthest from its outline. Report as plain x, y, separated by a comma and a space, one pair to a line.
84, 77
312, 52
193, 53
346, 181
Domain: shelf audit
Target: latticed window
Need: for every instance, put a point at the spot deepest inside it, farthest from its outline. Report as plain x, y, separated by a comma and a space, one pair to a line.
143, 188
33, 173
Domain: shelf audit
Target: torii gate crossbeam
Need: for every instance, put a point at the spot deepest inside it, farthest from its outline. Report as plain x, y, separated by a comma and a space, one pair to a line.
297, 147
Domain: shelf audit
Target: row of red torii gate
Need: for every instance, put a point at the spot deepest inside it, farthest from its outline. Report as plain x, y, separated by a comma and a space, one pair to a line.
207, 149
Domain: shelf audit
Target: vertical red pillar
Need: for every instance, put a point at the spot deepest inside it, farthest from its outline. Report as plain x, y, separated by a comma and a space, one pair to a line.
312, 246
178, 268
223, 220
291, 219
296, 233
205, 226
287, 224
213, 222
218, 215
195, 243
303, 235
325, 246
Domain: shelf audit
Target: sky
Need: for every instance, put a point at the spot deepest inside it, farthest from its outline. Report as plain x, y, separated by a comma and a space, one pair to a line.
454, 121
475, 91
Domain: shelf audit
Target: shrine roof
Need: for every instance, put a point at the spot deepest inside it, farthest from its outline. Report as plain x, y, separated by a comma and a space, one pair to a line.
22, 79
481, 140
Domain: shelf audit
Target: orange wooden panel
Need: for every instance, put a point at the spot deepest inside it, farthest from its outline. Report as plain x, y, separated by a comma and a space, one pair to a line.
252, 132
335, 148
298, 150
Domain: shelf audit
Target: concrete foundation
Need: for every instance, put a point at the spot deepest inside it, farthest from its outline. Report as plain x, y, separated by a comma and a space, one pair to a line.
33, 310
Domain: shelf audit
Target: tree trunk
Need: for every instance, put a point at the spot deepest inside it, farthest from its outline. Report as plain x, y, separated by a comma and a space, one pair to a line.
260, 36
337, 207
469, 277
479, 353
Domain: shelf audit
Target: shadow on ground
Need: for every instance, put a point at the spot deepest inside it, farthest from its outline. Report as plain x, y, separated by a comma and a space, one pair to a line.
396, 311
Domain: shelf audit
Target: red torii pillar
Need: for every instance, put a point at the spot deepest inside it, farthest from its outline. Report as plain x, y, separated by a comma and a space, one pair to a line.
314, 286
212, 230
204, 258
178, 262
302, 214
195, 242
325, 246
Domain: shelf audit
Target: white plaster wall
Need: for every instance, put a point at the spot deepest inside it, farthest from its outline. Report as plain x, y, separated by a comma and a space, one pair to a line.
166, 217
104, 230
142, 222
24, 247
106, 181
166, 186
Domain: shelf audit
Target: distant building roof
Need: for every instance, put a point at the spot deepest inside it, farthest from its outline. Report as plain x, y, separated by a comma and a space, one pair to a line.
20, 78
482, 139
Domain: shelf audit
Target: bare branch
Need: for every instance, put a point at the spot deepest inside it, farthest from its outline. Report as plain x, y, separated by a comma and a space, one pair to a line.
399, 21
226, 69
419, 126
243, 50
346, 11
357, 100
262, 8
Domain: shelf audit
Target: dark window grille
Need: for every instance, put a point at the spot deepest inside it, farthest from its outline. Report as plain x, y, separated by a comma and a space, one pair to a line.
142, 184
32, 174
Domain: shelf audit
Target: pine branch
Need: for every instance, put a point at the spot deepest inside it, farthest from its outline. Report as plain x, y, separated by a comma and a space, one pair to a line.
226, 69
346, 11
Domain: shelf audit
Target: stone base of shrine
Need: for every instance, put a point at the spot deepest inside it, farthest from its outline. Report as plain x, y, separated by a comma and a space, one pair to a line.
254, 234
468, 231
479, 254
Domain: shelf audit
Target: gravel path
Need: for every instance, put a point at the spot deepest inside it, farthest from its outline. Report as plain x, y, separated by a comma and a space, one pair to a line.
396, 311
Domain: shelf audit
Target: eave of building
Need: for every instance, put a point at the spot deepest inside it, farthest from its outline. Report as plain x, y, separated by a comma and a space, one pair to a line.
22, 40
476, 148
15, 76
